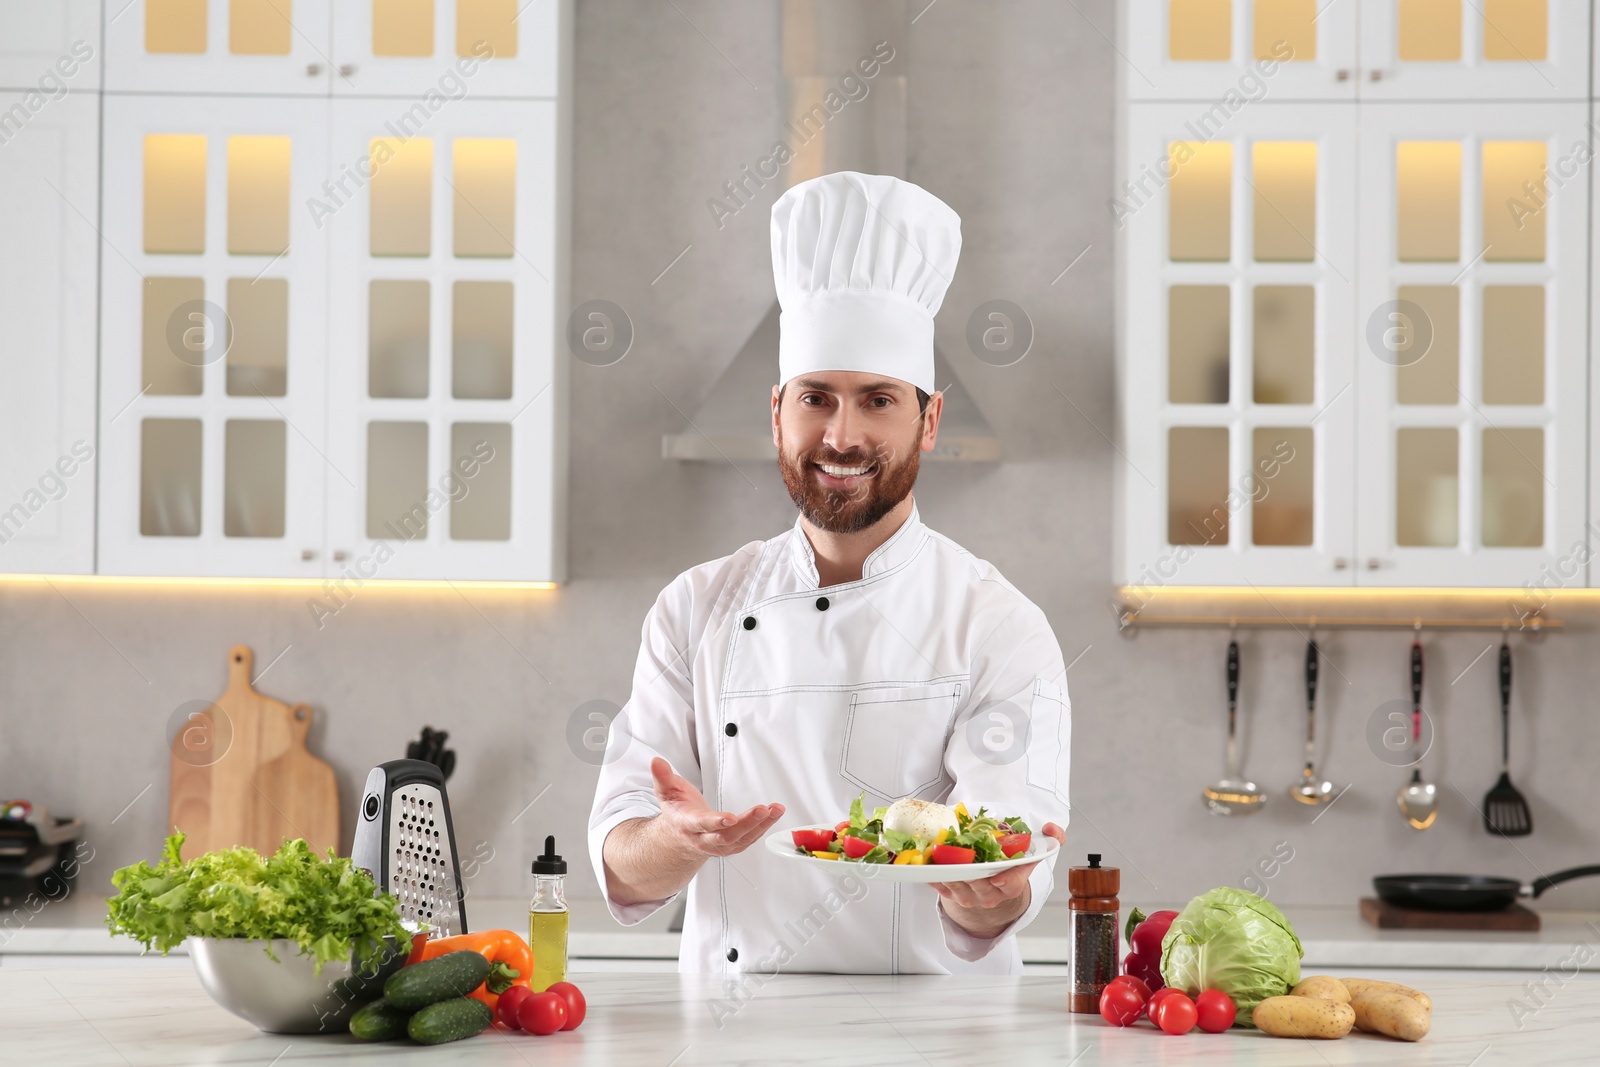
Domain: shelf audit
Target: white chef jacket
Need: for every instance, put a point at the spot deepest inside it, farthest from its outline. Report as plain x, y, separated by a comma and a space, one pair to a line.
931, 676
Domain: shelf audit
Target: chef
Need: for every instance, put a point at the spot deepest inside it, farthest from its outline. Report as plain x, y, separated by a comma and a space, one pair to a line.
860, 651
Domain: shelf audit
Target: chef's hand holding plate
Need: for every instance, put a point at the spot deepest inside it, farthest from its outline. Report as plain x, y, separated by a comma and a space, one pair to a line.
687, 818
985, 907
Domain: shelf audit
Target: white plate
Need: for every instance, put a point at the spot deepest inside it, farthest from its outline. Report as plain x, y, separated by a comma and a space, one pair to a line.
781, 843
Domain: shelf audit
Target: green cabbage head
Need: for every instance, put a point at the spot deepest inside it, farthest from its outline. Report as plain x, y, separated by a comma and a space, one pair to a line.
1232, 940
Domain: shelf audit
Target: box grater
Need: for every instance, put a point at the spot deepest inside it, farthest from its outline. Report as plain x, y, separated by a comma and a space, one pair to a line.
406, 842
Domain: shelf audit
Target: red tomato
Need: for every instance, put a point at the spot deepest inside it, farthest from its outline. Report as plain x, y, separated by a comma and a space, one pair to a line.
506, 1005
854, 847
952, 854
1014, 844
1137, 984
577, 1007
1156, 998
1176, 1014
842, 827
1216, 1011
542, 1013
812, 840
1120, 1004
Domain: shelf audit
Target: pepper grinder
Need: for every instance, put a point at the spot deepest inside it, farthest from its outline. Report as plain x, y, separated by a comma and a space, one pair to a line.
1094, 909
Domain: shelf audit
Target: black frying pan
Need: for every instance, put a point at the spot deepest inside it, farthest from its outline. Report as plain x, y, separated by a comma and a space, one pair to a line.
1465, 892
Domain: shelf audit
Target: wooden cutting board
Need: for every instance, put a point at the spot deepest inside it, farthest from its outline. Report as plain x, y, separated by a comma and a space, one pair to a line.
241, 775
1387, 916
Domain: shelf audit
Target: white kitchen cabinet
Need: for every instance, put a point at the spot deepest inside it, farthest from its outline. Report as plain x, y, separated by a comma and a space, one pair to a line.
446, 50
49, 47
1236, 348
1472, 411
212, 360
1475, 49
49, 167
230, 47
1211, 51
1222, 51
446, 422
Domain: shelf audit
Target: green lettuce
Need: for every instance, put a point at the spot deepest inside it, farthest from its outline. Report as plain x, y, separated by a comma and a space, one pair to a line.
1232, 940
329, 907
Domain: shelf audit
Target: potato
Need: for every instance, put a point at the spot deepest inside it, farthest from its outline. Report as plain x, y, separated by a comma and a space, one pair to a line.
1322, 987
1357, 986
1394, 1014
1292, 1016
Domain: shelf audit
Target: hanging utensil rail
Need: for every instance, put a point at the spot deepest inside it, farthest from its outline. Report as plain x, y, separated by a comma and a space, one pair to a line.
1131, 620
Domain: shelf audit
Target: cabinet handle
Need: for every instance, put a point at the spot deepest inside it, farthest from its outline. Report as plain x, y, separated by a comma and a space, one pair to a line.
1340, 563
346, 69
340, 555
313, 69
1373, 564
308, 554
1376, 76
1342, 74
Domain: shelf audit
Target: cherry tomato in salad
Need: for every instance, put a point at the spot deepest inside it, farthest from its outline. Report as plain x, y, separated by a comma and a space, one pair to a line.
1120, 1004
953, 854
577, 1006
1137, 984
542, 1013
812, 840
1215, 1010
842, 827
1155, 999
854, 847
1176, 1014
1015, 844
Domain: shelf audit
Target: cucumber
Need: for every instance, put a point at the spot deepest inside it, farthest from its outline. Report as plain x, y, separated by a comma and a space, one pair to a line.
379, 1021
455, 974
449, 1020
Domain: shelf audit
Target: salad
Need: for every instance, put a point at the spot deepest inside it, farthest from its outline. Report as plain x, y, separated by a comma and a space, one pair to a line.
912, 831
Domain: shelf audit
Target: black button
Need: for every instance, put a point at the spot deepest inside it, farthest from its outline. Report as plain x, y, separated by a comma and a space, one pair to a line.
822, 603
749, 622
733, 955
730, 729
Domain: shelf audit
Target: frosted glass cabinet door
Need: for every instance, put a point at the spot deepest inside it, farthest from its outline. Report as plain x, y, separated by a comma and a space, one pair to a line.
1471, 352
1474, 49
1232, 53
209, 46
213, 310
45, 46
47, 353
1236, 420
444, 400
448, 50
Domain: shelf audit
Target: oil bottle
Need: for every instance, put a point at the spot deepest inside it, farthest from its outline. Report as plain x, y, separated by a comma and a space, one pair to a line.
547, 919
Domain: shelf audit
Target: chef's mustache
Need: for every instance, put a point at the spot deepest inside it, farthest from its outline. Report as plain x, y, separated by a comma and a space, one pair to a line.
849, 459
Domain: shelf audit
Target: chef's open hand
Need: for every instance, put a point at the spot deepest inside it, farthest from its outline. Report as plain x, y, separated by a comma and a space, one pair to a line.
988, 905
687, 817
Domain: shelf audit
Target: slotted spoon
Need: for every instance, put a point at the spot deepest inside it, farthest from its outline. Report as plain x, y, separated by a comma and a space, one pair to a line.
1505, 811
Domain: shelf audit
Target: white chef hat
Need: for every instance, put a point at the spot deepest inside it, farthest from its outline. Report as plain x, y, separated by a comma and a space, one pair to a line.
861, 263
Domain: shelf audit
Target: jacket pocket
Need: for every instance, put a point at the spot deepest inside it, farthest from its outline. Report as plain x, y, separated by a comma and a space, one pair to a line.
1049, 739
895, 739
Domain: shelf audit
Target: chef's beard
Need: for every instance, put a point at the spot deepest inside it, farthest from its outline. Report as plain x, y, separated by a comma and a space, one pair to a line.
844, 511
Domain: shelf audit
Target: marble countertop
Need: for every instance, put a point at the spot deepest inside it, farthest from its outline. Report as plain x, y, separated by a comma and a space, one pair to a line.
160, 1017
1333, 938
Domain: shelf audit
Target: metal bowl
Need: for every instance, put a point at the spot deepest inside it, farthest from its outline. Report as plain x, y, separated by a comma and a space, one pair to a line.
285, 996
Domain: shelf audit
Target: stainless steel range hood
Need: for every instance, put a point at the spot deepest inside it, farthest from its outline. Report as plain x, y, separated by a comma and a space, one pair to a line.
823, 43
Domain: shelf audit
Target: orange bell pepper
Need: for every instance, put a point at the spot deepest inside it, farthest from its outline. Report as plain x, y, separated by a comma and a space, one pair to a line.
498, 946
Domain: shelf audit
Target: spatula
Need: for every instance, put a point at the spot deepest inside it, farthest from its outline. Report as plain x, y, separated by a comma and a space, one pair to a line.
1505, 811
